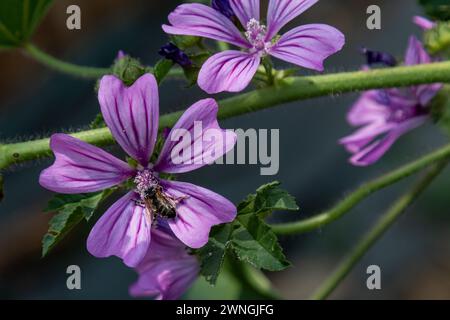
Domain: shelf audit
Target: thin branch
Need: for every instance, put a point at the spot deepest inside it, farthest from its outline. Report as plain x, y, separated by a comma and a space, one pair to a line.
361, 193
383, 224
73, 69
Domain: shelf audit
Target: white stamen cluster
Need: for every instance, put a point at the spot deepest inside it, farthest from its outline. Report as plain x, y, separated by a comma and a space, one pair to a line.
256, 35
144, 180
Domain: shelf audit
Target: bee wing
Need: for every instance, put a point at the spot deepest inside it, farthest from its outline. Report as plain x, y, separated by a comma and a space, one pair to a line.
149, 212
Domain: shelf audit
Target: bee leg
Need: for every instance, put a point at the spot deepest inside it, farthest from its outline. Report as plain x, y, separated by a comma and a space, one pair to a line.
178, 199
154, 221
139, 203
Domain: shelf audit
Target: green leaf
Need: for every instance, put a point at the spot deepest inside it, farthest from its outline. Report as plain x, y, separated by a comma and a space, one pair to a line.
19, 19
71, 210
268, 198
437, 9
162, 68
253, 241
249, 237
271, 197
213, 254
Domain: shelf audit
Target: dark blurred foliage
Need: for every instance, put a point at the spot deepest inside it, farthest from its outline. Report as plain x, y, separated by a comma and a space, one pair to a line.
414, 255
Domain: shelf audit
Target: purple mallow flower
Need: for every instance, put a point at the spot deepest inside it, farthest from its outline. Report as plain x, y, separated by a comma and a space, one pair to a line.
307, 46
167, 270
387, 114
172, 52
132, 115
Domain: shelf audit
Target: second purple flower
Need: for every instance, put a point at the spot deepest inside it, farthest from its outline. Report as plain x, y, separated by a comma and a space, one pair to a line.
232, 70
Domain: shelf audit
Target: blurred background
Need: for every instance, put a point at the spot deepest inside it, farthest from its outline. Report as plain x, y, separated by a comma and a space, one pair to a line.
414, 255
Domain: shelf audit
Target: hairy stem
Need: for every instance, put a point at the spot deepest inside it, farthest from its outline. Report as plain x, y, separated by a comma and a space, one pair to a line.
361, 193
73, 69
383, 224
288, 90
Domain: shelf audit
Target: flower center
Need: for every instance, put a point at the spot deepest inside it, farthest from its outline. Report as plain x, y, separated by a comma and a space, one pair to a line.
403, 113
400, 110
145, 180
256, 35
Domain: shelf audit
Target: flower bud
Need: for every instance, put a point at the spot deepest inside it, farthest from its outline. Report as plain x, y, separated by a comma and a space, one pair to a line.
128, 69
173, 53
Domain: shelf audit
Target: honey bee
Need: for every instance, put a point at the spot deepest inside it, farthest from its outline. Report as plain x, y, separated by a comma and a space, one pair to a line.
159, 204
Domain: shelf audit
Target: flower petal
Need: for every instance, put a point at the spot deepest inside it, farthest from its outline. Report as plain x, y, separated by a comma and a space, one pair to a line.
424, 23
425, 93
167, 280
245, 10
309, 45
229, 71
195, 19
167, 270
368, 108
131, 113
123, 231
80, 167
416, 54
359, 139
280, 12
195, 140
197, 212
376, 150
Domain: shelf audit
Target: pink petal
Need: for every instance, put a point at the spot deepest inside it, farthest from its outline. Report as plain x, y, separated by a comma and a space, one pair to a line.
167, 270
199, 210
167, 280
195, 140
123, 231
309, 45
131, 113
80, 167
424, 23
427, 92
245, 10
416, 54
229, 71
376, 150
356, 141
368, 108
194, 19
280, 12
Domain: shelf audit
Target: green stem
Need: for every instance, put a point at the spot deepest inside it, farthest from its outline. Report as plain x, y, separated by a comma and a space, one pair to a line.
288, 90
361, 193
61, 66
268, 66
376, 232
76, 70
